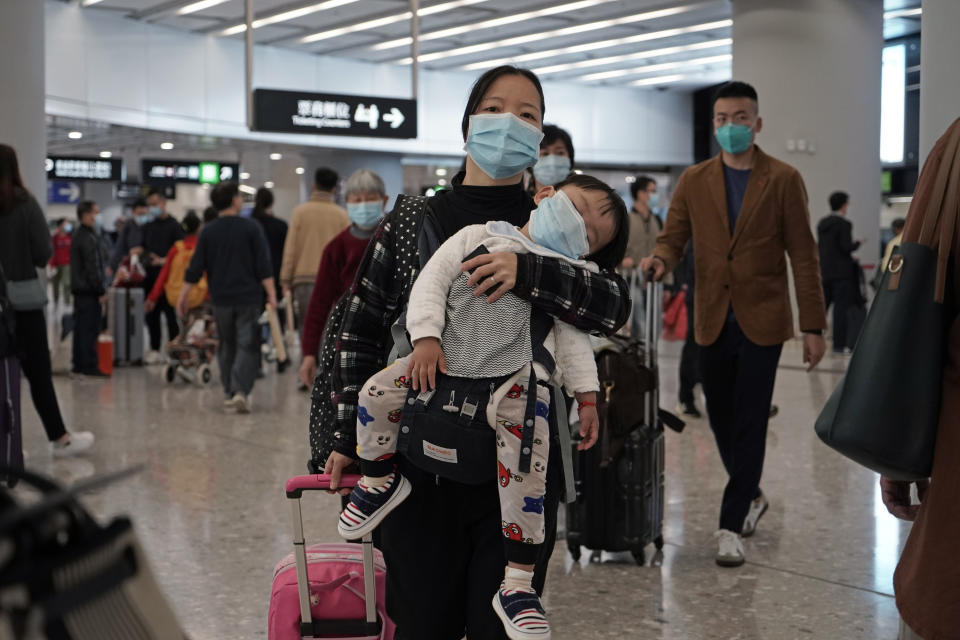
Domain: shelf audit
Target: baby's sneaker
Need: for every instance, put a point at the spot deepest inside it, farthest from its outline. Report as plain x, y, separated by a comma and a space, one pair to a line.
521, 613
370, 503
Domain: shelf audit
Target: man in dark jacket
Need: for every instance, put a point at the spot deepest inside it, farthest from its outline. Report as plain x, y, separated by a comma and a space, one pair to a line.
158, 236
87, 271
835, 238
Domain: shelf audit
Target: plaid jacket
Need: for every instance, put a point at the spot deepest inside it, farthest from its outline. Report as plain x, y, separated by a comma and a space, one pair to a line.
596, 302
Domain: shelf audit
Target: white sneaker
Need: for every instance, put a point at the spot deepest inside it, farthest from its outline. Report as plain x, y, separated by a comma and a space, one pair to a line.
80, 441
242, 403
757, 508
729, 549
154, 357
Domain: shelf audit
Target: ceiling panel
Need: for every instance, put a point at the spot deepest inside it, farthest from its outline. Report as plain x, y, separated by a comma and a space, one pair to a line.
557, 35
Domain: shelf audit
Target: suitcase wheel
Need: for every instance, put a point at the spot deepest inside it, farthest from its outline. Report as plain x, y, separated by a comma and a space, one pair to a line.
574, 549
639, 556
658, 543
204, 374
170, 373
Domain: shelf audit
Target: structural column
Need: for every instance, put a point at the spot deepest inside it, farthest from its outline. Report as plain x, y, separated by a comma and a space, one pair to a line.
22, 120
816, 67
939, 84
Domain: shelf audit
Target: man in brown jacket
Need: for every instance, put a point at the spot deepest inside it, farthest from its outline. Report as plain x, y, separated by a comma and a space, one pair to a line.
744, 210
313, 226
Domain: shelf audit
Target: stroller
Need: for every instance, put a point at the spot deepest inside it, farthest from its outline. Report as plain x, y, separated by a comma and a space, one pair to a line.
189, 354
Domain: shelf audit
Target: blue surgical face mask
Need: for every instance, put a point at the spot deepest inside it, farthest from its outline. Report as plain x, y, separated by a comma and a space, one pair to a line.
365, 214
155, 212
654, 200
734, 138
551, 169
142, 219
98, 222
68, 227
557, 225
501, 144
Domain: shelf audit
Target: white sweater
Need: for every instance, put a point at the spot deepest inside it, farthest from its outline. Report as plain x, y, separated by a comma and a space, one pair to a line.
480, 339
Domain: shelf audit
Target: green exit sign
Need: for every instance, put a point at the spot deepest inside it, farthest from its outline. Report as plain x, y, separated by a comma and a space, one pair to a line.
209, 173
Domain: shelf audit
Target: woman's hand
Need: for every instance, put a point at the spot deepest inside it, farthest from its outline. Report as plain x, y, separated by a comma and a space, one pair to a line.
492, 269
337, 463
896, 497
308, 370
426, 357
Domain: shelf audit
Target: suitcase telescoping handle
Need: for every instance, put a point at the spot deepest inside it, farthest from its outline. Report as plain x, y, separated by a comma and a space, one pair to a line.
652, 327
308, 629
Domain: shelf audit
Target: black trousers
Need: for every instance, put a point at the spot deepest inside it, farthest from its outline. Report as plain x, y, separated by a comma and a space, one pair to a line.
440, 584
738, 381
839, 293
689, 361
33, 351
87, 317
163, 309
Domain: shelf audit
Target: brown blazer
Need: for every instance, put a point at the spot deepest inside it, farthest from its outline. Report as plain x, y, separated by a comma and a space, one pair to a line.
749, 269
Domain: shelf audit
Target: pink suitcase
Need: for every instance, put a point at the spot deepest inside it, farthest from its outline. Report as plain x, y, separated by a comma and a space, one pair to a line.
347, 583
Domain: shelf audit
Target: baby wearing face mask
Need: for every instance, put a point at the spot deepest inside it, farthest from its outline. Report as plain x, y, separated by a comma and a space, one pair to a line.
582, 222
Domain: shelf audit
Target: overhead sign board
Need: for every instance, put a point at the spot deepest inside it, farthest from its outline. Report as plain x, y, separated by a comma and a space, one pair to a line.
195, 172
78, 168
334, 114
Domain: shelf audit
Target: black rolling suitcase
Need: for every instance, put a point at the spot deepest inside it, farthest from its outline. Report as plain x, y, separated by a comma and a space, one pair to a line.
620, 481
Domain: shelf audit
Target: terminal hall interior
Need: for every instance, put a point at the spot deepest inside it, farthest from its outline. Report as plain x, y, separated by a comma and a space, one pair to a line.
652, 255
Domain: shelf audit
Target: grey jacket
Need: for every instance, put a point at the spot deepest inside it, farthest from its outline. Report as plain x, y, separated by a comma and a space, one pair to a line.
24, 240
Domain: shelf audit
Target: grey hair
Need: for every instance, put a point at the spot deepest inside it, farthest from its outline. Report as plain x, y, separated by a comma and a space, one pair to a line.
365, 180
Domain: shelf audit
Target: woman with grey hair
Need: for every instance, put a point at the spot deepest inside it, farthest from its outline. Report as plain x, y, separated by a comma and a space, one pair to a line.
366, 202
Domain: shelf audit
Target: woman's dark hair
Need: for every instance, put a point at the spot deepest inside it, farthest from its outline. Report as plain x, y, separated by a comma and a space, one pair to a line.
222, 195
483, 83
12, 190
552, 133
610, 256
191, 222
210, 214
261, 202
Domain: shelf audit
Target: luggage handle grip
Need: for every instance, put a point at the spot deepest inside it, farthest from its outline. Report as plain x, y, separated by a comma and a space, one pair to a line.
317, 482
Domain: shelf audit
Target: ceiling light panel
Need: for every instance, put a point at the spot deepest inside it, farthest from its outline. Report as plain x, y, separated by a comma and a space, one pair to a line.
199, 6
592, 47
492, 23
903, 13
651, 68
640, 55
543, 36
647, 82
285, 16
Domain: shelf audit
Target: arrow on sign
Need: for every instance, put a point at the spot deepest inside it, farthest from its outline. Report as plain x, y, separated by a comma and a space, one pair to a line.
71, 191
395, 117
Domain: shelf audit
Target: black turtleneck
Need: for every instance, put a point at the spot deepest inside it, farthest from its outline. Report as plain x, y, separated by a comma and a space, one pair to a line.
465, 205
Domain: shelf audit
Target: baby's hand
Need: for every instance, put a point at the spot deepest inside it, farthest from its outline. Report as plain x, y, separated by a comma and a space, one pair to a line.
422, 369
589, 427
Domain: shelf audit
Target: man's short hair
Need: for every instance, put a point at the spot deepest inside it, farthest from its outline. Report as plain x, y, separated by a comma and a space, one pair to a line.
736, 89
640, 184
838, 199
139, 202
222, 195
85, 207
325, 179
156, 191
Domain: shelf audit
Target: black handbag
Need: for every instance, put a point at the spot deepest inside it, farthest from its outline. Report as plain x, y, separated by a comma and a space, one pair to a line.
885, 411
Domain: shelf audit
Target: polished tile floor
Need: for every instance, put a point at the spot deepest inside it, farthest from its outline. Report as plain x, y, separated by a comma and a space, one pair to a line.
210, 509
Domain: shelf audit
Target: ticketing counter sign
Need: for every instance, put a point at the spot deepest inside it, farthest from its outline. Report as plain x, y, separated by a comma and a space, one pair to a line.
334, 114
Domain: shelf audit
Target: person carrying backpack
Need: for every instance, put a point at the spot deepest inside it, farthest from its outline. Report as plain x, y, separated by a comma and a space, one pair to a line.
170, 280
